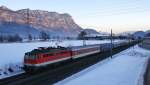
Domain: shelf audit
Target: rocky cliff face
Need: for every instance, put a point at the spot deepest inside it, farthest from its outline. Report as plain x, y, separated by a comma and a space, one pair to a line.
39, 20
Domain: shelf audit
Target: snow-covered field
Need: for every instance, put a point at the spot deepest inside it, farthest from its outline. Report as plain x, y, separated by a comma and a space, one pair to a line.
11, 54
125, 68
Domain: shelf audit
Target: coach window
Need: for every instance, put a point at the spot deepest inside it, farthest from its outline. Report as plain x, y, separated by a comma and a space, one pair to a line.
33, 57
63, 52
36, 56
50, 54
45, 55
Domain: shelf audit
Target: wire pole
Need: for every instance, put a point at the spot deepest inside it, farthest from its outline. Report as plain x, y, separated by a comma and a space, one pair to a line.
111, 44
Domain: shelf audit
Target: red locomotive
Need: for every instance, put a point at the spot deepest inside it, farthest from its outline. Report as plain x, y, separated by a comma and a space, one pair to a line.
44, 56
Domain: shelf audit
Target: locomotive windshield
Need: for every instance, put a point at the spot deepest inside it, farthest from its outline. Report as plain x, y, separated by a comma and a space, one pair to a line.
29, 56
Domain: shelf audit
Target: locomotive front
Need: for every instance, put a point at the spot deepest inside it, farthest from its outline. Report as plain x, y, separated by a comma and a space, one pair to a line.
30, 61
45, 56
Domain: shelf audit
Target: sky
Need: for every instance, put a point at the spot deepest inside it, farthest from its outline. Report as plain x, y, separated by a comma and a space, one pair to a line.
102, 15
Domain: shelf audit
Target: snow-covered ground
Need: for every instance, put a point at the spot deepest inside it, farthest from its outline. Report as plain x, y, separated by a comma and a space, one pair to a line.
125, 68
11, 54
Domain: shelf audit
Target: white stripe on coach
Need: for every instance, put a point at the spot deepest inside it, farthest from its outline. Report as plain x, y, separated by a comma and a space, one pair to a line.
85, 54
49, 62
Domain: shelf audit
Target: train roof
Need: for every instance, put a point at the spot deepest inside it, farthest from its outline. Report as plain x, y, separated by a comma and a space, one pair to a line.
46, 50
59, 49
83, 47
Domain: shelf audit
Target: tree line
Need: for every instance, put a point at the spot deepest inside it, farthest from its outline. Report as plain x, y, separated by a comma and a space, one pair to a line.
10, 38
43, 36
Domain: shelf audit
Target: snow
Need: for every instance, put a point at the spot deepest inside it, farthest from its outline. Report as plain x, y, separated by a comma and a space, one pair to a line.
12, 54
125, 68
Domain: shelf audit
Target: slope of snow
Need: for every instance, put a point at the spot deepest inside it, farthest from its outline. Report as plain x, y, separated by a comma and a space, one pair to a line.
12, 54
125, 68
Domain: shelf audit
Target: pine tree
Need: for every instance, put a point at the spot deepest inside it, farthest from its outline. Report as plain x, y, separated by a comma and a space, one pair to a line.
1, 38
30, 37
44, 36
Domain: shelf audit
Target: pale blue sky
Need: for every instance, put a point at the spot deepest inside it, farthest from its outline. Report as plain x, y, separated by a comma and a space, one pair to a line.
103, 15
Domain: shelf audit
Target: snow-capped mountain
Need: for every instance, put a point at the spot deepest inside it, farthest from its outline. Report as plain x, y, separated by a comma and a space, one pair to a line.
27, 21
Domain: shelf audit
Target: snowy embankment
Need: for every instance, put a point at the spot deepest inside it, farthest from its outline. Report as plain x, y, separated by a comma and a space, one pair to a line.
125, 68
11, 54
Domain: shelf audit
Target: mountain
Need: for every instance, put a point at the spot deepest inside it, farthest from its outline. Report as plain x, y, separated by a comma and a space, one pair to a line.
104, 33
93, 33
127, 33
139, 34
133, 34
90, 31
147, 33
26, 21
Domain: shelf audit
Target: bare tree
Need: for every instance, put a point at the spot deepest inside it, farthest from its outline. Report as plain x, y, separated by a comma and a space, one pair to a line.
44, 36
30, 37
82, 35
1, 38
13, 38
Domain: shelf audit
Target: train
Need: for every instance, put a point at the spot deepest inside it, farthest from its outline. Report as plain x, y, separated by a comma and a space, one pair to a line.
46, 56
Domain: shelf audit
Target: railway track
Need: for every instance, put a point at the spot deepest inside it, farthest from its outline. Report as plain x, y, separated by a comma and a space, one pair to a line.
12, 79
52, 75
